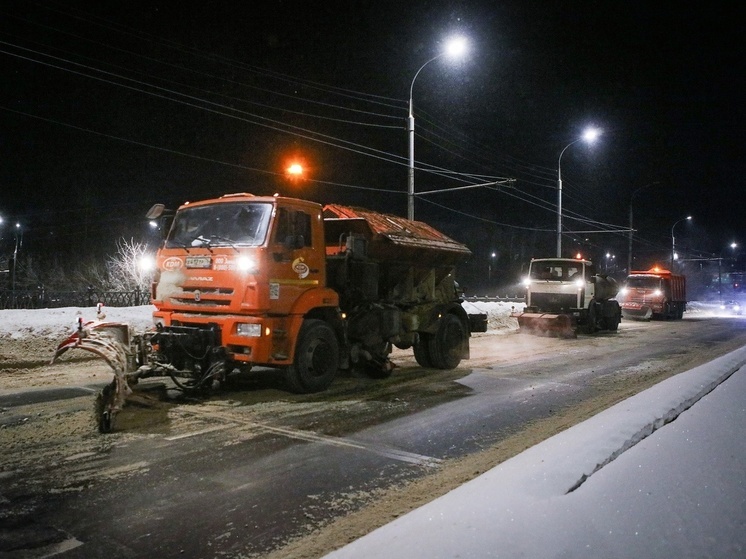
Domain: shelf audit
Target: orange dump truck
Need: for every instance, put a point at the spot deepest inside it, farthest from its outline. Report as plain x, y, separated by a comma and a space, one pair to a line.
246, 281
655, 293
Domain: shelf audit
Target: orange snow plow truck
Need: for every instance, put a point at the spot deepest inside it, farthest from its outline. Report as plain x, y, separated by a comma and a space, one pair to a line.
655, 293
246, 281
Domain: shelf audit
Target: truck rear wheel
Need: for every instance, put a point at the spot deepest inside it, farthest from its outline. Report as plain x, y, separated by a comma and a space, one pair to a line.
445, 347
422, 351
316, 358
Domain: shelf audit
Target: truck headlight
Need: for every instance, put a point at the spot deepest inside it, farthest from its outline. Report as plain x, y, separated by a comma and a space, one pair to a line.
657, 293
246, 264
248, 330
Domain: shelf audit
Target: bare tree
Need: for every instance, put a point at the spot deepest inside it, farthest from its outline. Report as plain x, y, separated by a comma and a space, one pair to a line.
130, 268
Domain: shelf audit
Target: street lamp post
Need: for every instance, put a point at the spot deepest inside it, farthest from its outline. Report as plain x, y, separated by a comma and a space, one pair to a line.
589, 136
632, 199
454, 47
720, 274
673, 240
19, 234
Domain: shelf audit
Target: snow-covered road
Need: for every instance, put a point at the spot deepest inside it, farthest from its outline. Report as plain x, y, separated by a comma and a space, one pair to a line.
659, 475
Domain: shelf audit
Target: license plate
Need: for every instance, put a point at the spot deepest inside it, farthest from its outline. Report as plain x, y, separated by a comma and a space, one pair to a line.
198, 261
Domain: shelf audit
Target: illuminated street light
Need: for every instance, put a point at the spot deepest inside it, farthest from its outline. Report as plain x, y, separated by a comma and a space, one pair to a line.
491, 264
588, 136
609, 259
720, 273
454, 48
19, 243
673, 240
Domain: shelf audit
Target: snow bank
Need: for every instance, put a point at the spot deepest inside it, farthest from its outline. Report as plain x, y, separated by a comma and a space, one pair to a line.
58, 323
498, 314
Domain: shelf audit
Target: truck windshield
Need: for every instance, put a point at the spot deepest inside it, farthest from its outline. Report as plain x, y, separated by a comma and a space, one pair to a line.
556, 271
643, 282
226, 224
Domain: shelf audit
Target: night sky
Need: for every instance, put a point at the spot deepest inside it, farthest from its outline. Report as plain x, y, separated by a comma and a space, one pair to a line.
107, 108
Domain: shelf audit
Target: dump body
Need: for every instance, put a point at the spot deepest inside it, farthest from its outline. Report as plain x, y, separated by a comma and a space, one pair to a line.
563, 294
654, 293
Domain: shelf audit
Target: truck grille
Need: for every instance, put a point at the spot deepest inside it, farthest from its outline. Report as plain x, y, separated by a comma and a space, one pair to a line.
194, 297
554, 302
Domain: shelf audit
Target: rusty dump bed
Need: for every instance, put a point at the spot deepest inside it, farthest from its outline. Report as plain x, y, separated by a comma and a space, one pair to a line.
391, 237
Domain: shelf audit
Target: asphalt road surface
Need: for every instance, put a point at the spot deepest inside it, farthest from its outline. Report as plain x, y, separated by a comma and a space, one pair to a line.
253, 471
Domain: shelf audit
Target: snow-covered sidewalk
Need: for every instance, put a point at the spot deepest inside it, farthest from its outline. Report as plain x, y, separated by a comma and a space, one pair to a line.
660, 475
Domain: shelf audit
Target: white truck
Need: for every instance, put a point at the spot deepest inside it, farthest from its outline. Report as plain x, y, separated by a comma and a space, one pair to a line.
564, 294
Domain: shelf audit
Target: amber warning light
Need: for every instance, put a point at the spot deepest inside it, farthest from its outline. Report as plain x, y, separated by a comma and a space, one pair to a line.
295, 169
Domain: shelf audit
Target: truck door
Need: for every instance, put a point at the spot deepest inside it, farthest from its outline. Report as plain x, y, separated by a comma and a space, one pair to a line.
296, 262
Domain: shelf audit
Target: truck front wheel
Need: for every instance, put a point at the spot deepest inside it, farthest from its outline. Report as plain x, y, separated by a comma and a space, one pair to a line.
445, 347
316, 358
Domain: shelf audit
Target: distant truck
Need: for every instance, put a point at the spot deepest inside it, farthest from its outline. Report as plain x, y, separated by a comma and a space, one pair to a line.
565, 294
655, 293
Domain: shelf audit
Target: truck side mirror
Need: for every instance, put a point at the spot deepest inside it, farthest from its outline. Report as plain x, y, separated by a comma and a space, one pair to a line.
155, 212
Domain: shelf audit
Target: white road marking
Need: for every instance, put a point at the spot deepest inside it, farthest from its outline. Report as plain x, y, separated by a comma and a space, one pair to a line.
202, 431
310, 436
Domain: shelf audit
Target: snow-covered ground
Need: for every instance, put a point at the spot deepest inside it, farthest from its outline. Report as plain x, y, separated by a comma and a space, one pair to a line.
56, 323
628, 483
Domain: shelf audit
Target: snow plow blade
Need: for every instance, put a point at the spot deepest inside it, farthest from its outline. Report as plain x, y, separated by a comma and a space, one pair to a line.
112, 341
546, 324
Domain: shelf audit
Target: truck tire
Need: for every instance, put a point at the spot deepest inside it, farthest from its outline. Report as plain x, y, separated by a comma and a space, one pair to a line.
316, 358
445, 346
422, 351
591, 326
612, 315
612, 323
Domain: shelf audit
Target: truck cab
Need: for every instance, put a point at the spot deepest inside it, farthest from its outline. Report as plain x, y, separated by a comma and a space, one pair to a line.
247, 269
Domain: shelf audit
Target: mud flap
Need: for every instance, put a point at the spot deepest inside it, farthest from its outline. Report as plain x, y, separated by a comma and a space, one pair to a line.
547, 324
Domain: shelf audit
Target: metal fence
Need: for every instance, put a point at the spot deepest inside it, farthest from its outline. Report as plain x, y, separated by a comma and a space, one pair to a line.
46, 299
